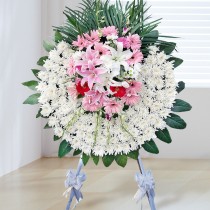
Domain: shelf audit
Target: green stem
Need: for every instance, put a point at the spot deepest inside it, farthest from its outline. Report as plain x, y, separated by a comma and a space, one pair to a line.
97, 126
97, 12
108, 131
72, 121
124, 127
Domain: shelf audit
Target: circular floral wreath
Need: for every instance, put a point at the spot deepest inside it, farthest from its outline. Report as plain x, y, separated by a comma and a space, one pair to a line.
109, 91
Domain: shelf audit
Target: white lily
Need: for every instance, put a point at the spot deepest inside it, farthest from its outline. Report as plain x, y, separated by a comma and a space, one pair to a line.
116, 59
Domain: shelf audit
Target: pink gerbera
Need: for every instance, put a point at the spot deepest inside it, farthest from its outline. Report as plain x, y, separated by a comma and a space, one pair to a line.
135, 86
137, 57
109, 31
112, 107
134, 41
101, 49
92, 101
131, 97
72, 91
80, 43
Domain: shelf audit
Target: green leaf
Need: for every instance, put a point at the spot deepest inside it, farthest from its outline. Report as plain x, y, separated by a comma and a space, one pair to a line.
151, 37
95, 159
64, 148
150, 147
85, 159
77, 152
31, 84
181, 106
35, 72
175, 121
48, 46
32, 99
134, 154
177, 61
180, 87
42, 60
58, 37
108, 159
47, 126
56, 138
121, 160
39, 113
164, 135
168, 48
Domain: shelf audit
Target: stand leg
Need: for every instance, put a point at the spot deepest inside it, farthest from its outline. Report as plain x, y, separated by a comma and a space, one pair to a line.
149, 192
74, 182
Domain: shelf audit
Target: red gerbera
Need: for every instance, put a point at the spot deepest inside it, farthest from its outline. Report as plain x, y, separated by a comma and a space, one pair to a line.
119, 91
82, 89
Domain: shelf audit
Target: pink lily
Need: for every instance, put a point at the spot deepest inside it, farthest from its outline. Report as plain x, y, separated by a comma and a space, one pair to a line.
92, 74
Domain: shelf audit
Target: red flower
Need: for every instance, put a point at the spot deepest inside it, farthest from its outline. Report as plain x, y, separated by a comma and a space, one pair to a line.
82, 89
119, 91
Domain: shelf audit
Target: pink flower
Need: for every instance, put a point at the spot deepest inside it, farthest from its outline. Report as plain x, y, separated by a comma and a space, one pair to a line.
134, 41
80, 43
131, 97
135, 86
92, 101
125, 42
90, 55
71, 70
92, 74
101, 49
110, 30
112, 107
73, 91
125, 30
93, 37
137, 57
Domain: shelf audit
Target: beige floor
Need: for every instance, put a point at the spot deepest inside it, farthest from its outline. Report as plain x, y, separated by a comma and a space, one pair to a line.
180, 185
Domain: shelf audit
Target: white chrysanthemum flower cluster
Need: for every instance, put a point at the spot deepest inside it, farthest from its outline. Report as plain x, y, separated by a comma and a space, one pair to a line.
90, 132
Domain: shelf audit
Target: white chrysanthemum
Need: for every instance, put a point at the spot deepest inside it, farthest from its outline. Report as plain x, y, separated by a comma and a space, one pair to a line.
119, 135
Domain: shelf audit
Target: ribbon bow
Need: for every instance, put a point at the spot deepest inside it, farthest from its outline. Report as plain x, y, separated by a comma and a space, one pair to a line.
73, 183
146, 185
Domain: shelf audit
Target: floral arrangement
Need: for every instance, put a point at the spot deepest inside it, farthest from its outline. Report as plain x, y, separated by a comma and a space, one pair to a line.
108, 86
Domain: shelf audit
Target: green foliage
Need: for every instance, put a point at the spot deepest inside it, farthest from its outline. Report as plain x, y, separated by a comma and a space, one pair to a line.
77, 152
32, 99
58, 37
181, 106
56, 138
35, 72
133, 154
85, 159
94, 14
150, 147
64, 148
176, 61
164, 135
95, 159
31, 84
48, 46
175, 121
42, 60
151, 37
121, 160
47, 126
167, 47
108, 159
180, 87
39, 113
